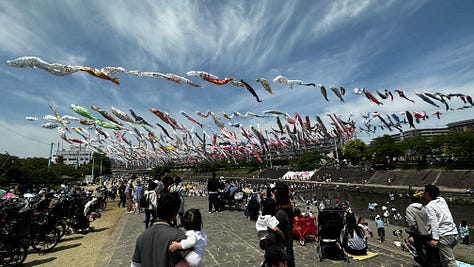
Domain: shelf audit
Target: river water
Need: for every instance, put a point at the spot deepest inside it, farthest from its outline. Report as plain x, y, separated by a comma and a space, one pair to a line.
359, 204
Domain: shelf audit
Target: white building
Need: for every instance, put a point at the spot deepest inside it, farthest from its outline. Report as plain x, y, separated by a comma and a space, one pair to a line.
75, 156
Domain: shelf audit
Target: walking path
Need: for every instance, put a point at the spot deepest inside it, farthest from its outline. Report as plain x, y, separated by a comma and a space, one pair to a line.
233, 242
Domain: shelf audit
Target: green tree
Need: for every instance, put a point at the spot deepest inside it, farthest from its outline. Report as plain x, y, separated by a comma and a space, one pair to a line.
162, 169
355, 151
383, 150
305, 162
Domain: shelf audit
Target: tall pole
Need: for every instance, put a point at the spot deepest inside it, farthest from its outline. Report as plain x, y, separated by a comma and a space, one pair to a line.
77, 157
92, 165
49, 163
100, 170
337, 154
269, 149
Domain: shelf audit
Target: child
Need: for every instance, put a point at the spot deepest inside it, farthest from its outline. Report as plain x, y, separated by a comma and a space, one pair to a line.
464, 232
272, 239
365, 226
380, 228
195, 236
309, 212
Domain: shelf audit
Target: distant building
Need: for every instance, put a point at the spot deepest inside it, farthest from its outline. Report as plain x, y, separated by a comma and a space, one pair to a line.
461, 126
429, 133
75, 156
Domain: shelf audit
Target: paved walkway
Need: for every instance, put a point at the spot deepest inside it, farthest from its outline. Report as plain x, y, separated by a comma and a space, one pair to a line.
233, 242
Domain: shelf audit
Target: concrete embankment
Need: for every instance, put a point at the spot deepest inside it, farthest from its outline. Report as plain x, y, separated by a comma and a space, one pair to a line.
451, 182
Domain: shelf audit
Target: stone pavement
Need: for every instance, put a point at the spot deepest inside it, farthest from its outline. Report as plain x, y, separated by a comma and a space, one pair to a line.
233, 242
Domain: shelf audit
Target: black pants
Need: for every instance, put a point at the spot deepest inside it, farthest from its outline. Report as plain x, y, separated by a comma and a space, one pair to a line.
213, 202
465, 240
123, 201
381, 233
150, 217
427, 255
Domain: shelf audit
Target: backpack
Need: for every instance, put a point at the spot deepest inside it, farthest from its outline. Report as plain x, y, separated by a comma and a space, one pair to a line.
144, 201
178, 188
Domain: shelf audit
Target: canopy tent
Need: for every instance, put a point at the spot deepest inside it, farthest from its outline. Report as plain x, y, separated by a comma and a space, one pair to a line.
8, 195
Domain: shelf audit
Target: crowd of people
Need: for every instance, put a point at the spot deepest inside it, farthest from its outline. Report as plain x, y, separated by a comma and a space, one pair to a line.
431, 229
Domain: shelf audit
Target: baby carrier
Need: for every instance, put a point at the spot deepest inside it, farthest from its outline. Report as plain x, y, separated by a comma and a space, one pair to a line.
330, 225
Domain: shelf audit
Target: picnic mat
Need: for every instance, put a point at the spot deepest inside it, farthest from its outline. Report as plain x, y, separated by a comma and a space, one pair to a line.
463, 264
369, 255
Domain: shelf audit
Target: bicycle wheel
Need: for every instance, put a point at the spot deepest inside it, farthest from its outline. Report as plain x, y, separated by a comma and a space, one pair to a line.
47, 241
62, 227
13, 254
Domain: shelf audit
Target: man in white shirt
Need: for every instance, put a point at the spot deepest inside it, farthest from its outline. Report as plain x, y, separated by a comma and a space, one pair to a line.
444, 233
420, 230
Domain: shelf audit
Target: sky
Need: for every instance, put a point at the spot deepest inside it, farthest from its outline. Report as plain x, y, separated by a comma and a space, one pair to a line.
414, 46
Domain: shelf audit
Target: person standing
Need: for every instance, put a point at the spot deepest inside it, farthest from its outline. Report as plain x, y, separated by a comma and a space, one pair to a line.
419, 229
380, 228
138, 191
213, 186
150, 209
122, 195
152, 246
272, 239
284, 215
159, 187
113, 191
444, 233
181, 190
167, 181
129, 196
268, 189
464, 231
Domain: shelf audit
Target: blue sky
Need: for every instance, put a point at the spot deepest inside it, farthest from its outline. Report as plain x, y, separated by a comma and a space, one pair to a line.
409, 45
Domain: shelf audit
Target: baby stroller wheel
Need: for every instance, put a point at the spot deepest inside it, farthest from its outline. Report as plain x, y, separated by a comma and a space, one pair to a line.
303, 241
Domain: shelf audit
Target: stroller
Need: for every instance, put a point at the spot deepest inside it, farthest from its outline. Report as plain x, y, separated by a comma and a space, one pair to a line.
305, 229
330, 225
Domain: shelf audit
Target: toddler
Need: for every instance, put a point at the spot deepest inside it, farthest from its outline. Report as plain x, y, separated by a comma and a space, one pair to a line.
196, 238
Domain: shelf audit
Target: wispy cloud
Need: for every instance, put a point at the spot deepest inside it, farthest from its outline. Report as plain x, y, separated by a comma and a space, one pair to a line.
371, 44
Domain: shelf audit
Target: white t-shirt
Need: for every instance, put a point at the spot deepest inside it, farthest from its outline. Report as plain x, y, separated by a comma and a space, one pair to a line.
196, 239
263, 223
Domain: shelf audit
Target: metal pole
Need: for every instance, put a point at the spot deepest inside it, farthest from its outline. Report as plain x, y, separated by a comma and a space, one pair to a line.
49, 163
92, 165
337, 154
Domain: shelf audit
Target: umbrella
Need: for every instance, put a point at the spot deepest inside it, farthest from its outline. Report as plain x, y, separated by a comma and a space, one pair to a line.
2, 192
8, 195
